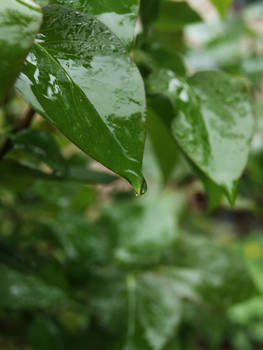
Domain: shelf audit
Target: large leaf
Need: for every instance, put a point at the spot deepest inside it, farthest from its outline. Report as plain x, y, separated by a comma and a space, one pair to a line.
80, 77
19, 291
120, 16
19, 23
222, 6
213, 122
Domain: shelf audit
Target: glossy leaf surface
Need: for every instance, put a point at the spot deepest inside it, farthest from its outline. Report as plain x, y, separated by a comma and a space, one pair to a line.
213, 122
41, 145
80, 77
120, 16
174, 15
19, 23
222, 6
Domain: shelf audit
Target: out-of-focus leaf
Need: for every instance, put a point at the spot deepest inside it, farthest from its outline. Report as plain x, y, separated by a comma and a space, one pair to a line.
10, 169
164, 146
19, 23
43, 146
150, 311
225, 279
214, 192
165, 59
15, 176
154, 312
149, 11
222, 6
252, 251
45, 334
76, 64
213, 122
174, 15
26, 292
146, 237
120, 16
88, 176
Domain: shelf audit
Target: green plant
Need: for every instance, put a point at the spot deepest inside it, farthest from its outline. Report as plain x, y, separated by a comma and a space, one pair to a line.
85, 266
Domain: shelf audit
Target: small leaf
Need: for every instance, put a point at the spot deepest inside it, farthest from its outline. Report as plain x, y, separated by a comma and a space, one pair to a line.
174, 15
225, 279
222, 6
10, 180
120, 16
19, 23
213, 122
149, 11
26, 292
164, 146
43, 146
80, 78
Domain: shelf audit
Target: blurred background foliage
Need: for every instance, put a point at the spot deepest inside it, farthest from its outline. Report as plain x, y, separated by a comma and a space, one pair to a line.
93, 267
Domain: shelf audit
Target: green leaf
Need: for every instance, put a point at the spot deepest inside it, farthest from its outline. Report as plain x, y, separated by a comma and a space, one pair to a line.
148, 304
26, 292
16, 177
80, 77
149, 11
146, 237
19, 23
225, 279
10, 180
41, 145
120, 16
153, 311
174, 15
213, 122
164, 145
45, 334
222, 6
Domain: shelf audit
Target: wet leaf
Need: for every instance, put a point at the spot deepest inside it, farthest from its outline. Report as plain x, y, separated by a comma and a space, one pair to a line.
80, 78
213, 122
19, 23
120, 16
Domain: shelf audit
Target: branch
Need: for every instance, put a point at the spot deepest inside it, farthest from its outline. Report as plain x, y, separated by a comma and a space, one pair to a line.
24, 124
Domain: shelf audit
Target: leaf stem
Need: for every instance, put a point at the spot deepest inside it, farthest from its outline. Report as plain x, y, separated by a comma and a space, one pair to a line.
25, 122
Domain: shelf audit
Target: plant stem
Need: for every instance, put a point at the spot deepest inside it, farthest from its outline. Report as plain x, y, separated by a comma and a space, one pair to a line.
25, 122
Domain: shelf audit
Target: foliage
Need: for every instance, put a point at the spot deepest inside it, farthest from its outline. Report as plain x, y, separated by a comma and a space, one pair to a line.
158, 95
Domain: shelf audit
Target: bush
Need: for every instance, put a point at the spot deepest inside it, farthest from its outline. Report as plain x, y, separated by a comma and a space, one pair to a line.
100, 100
